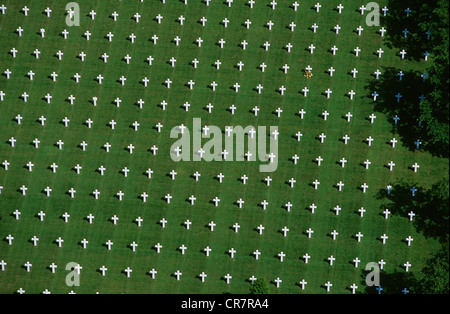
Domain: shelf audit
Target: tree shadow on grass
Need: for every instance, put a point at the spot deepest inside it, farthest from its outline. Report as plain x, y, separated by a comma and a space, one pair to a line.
417, 41
431, 207
398, 282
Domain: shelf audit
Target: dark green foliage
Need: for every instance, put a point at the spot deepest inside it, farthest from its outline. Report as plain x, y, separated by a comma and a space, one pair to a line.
436, 273
261, 286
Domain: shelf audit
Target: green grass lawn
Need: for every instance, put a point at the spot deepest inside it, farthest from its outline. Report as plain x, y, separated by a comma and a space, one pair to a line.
317, 272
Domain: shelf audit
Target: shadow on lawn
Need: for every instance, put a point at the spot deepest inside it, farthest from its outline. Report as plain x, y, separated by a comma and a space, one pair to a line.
429, 206
391, 283
417, 41
400, 95
411, 34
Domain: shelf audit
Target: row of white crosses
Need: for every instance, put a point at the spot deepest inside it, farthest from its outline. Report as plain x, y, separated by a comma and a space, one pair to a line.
72, 192
192, 199
168, 82
244, 178
190, 84
178, 274
250, 3
133, 245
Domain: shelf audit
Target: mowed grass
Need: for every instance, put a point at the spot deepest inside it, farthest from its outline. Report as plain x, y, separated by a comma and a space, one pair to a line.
345, 248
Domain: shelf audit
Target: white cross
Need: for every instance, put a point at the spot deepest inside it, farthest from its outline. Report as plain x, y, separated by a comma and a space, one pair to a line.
203, 276
103, 270
14, 52
337, 209
110, 38
137, 16
183, 249
331, 259
47, 190
131, 148
260, 229
360, 29
212, 225
306, 257
163, 222
309, 232
28, 265
10, 238
391, 165
351, 93
285, 230
415, 166
403, 53
120, 195
153, 273
379, 52
288, 47
20, 31
281, 255
128, 271
114, 219
386, 213
188, 224
84, 243
92, 14
181, 19
264, 204
407, 266
362, 211
228, 277
24, 189
384, 237
364, 187
359, 235
317, 6
133, 246
203, 20
409, 240
53, 266
66, 217
139, 221
72, 192
109, 244
35, 240
232, 251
